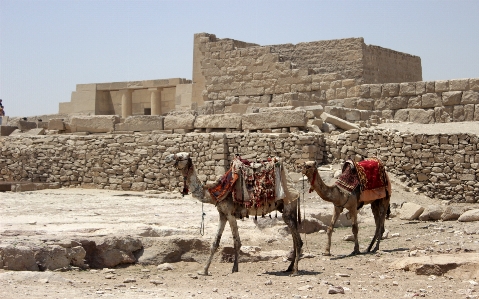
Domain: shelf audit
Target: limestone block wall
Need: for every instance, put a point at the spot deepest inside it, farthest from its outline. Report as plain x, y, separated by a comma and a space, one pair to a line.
136, 161
420, 102
226, 70
444, 166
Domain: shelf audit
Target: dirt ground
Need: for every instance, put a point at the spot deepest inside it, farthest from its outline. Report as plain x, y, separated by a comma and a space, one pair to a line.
49, 215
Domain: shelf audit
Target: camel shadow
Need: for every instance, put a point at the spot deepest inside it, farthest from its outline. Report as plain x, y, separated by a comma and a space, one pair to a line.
284, 274
343, 256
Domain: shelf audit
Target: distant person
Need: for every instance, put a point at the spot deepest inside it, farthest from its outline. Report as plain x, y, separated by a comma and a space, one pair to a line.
2, 112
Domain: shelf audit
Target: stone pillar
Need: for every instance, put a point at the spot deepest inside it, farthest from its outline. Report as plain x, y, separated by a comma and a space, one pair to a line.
155, 101
126, 103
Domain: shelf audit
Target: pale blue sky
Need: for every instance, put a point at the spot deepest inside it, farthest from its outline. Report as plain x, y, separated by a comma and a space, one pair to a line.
47, 47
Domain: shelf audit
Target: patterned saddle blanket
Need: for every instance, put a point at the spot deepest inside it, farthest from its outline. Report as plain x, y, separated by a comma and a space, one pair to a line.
251, 184
368, 175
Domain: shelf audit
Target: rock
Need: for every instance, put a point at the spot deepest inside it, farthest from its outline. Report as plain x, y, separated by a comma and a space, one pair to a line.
469, 216
431, 213
94, 124
111, 252
268, 282
17, 258
305, 288
218, 121
56, 124
156, 282
309, 226
129, 280
325, 215
453, 213
338, 122
410, 211
335, 290
274, 119
348, 238
165, 267
141, 123
52, 257
179, 121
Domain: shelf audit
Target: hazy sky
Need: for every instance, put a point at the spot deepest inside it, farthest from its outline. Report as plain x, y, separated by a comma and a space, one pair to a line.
47, 47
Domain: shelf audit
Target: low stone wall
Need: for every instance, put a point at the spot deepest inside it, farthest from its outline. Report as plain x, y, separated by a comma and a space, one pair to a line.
444, 166
136, 161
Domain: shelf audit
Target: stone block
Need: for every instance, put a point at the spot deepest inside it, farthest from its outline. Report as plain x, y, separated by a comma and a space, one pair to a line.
470, 97
441, 85
430, 86
469, 112
317, 110
387, 114
458, 84
474, 84
407, 89
364, 91
390, 90
410, 211
220, 121
450, 98
431, 100
24, 125
458, 113
338, 122
383, 103
94, 123
179, 121
56, 124
274, 119
402, 115
399, 102
431, 213
353, 115
365, 104
141, 123
476, 112
34, 132
219, 107
420, 88
7, 130
415, 102
375, 90
421, 116
239, 108
442, 115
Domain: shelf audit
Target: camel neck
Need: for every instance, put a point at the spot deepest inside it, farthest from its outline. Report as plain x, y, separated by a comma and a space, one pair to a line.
196, 187
323, 190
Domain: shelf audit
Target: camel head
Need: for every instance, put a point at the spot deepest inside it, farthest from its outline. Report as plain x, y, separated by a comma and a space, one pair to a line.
179, 160
308, 168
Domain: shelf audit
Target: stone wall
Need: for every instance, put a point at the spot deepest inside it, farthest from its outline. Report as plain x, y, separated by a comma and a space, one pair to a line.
419, 102
136, 161
443, 166
225, 68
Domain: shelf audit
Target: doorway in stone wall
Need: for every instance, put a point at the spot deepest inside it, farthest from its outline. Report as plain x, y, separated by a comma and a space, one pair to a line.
147, 111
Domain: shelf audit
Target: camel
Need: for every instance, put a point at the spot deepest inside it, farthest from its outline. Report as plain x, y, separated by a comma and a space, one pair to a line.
229, 210
342, 200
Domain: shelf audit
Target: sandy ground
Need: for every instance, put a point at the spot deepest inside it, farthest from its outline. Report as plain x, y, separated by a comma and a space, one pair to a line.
52, 215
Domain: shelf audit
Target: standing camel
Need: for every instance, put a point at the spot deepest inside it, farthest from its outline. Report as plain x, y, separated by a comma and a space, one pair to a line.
342, 200
229, 210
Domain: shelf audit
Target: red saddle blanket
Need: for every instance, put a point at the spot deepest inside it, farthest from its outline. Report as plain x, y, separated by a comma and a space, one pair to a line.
250, 186
368, 174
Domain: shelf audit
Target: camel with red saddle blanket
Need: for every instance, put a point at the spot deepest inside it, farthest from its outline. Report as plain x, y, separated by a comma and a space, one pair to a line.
246, 189
364, 182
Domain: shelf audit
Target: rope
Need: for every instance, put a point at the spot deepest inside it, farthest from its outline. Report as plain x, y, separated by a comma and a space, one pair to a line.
202, 225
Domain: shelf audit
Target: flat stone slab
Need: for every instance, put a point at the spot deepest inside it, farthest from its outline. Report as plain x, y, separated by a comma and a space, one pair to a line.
94, 124
218, 121
141, 123
438, 264
274, 119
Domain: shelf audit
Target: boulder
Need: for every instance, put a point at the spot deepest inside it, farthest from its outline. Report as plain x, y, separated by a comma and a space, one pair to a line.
453, 213
111, 252
179, 121
24, 125
274, 119
431, 213
316, 110
52, 257
7, 130
218, 121
410, 211
469, 216
94, 123
18, 258
325, 215
56, 124
141, 123
338, 122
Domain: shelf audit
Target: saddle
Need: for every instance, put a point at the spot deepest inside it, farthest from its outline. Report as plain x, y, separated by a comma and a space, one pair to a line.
252, 184
368, 177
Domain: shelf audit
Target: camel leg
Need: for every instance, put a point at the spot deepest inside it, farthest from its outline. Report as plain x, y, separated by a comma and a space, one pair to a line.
383, 209
290, 218
377, 216
215, 244
236, 240
354, 220
337, 212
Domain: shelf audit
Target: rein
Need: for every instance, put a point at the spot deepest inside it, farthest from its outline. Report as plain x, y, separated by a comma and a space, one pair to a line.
312, 182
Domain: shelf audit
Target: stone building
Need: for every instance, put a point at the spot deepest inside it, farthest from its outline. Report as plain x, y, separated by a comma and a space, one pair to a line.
228, 72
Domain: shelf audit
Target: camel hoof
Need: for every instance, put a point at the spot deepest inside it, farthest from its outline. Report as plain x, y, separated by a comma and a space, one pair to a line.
355, 253
203, 273
326, 254
294, 274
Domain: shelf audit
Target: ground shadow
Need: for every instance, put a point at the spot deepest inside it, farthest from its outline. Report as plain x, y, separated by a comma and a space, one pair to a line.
300, 273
